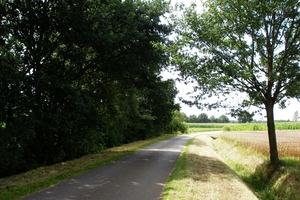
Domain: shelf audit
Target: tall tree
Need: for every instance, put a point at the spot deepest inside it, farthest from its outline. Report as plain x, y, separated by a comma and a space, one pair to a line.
223, 119
192, 119
203, 118
73, 73
248, 50
244, 116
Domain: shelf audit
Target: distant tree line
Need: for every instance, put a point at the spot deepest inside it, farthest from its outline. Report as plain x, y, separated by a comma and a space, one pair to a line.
79, 76
203, 118
242, 116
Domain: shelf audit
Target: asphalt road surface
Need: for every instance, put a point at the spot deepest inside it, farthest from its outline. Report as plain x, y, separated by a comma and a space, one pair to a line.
138, 176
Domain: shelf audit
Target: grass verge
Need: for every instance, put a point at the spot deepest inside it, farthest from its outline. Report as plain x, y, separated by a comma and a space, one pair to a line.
174, 187
253, 167
18, 186
200, 174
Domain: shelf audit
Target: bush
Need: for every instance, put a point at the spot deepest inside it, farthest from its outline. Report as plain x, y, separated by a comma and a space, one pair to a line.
226, 128
177, 124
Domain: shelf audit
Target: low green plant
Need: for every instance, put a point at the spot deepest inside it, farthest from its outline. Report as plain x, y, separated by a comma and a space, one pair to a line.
226, 128
2, 124
262, 126
203, 127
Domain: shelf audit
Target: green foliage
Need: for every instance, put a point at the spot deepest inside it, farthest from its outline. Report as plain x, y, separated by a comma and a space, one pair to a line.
203, 118
240, 48
79, 76
261, 126
203, 127
177, 123
192, 119
223, 119
243, 116
226, 128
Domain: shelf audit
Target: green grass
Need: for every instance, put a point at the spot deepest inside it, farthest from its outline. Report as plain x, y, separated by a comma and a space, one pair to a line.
200, 175
180, 172
203, 127
180, 165
21, 185
262, 126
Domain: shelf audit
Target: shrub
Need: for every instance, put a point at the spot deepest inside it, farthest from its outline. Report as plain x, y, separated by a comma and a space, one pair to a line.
177, 124
226, 128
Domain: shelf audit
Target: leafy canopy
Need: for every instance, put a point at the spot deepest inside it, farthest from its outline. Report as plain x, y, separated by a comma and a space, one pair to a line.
244, 53
247, 48
78, 76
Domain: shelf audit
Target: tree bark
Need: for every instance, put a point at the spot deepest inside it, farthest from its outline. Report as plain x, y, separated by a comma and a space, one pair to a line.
272, 134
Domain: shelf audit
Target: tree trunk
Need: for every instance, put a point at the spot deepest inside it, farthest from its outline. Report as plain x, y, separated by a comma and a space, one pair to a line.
271, 133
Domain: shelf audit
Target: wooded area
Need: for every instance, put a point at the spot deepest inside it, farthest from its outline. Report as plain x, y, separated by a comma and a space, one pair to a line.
79, 76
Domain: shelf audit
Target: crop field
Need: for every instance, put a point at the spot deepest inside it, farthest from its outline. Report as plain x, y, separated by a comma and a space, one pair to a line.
247, 153
261, 126
288, 142
200, 127
255, 136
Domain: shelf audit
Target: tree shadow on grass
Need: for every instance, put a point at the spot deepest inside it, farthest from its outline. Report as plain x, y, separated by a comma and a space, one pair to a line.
206, 163
276, 182
206, 167
202, 169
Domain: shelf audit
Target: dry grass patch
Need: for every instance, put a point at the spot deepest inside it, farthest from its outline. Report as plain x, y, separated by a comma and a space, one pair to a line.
200, 174
247, 153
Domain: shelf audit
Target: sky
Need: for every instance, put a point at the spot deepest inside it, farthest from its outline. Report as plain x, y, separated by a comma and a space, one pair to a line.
279, 114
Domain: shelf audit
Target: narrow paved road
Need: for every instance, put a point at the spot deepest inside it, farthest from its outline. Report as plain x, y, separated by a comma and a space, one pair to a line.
139, 176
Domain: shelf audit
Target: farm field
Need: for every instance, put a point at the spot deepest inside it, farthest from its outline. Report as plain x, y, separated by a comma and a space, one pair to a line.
247, 153
288, 141
261, 126
201, 127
